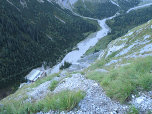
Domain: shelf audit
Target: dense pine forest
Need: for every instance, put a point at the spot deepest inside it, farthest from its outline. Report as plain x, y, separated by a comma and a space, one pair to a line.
100, 10
33, 34
126, 4
103, 9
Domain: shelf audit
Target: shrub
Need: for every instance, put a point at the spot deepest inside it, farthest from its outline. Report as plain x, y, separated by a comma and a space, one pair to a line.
65, 65
65, 100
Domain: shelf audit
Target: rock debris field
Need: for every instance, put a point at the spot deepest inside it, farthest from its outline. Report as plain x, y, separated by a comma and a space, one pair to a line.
95, 100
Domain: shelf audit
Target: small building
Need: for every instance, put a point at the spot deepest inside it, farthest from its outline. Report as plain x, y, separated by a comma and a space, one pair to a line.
34, 75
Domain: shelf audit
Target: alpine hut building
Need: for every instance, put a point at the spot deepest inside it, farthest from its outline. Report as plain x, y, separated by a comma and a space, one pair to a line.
34, 75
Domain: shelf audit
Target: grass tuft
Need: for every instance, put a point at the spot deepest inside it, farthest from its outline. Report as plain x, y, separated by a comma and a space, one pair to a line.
119, 83
53, 85
133, 110
65, 100
122, 82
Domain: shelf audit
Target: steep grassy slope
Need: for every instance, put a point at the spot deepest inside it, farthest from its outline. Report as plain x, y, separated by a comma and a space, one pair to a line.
128, 64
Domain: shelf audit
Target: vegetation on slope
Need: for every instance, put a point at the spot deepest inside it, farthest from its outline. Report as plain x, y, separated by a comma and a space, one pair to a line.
127, 4
21, 103
121, 24
124, 81
120, 83
65, 100
128, 68
103, 9
53, 85
97, 10
34, 34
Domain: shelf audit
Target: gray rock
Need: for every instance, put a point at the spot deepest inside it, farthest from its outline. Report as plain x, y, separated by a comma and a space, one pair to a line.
143, 102
95, 101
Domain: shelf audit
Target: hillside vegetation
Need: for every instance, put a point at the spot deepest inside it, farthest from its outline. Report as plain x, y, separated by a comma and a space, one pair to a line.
36, 33
121, 24
121, 74
128, 62
97, 10
123, 69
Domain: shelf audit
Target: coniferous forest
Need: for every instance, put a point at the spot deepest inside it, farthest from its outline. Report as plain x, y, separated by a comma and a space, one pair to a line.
103, 8
100, 10
121, 24
33, 34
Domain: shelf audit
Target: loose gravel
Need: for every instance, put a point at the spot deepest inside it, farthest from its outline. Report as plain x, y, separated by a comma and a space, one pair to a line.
95, 101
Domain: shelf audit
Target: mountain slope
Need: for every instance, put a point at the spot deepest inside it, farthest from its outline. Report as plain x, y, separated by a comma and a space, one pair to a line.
121, 24
97, 8
123, 69
37, 31
33, 32
133, 42
126, 60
